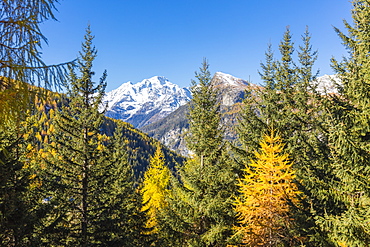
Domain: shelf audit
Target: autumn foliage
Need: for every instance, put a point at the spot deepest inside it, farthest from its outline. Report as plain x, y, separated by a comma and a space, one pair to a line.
266, 190
155, 188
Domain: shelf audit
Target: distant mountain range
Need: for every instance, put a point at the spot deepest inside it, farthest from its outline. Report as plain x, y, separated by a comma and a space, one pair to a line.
159, 107
145, 102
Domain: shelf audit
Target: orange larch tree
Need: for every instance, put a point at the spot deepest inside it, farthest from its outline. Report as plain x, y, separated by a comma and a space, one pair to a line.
266, 192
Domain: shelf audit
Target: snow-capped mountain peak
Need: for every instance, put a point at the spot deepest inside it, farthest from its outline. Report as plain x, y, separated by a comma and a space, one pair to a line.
223, 79
146, 101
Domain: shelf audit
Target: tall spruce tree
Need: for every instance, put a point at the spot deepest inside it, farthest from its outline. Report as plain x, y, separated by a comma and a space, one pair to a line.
91, 183
205, 133
201, 203
119, 220
349, 139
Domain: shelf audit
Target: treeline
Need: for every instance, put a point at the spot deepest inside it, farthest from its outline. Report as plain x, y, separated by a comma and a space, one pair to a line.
298, 175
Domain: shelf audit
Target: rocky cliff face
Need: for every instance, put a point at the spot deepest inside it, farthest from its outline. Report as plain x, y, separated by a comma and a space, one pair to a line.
171, 130
231, 89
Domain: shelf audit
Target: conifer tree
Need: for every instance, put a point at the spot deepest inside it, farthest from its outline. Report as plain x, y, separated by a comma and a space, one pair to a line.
205, 134
266, 191
155, 188
16, 220
267, 106
91, 186
252, 122
349, 128
120, 221
201, 207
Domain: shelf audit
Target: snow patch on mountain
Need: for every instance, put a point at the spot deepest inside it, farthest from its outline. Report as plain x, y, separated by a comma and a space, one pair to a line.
327, 84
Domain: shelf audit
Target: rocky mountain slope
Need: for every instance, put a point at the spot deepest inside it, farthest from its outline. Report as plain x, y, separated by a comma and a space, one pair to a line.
145, 102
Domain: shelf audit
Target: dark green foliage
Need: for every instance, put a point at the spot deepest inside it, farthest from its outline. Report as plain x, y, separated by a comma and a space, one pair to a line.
21, 209
74, 159
120, 222
203, 201
349, 128
200, 210
205, 135
13, 187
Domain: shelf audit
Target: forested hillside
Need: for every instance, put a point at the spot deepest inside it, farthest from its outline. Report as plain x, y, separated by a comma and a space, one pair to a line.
298, 175
141, 147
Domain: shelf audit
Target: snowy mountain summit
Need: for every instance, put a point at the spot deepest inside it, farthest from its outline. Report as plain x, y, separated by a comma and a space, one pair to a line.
145, 102
227, 80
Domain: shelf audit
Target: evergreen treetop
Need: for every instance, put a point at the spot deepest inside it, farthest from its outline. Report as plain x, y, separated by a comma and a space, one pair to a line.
292, 106
205, 132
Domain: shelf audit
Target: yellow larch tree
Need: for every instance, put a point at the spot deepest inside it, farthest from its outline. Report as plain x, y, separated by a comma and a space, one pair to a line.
266, 190
155, 188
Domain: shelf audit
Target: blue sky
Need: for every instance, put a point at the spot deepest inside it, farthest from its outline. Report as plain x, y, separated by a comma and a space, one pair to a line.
138, 39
